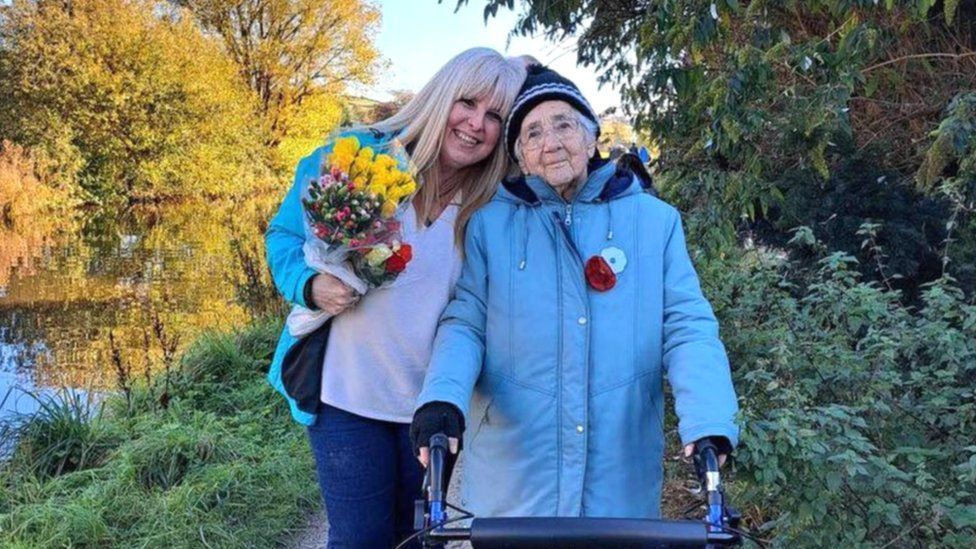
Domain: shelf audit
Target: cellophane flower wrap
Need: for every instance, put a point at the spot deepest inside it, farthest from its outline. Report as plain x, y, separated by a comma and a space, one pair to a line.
352, 225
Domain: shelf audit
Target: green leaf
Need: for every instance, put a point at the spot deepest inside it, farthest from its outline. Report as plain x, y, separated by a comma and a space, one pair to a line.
871, 85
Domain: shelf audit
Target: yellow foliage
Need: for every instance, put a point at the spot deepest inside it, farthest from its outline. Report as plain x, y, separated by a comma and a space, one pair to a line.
22, 191
152, 106
310, 48
309, 124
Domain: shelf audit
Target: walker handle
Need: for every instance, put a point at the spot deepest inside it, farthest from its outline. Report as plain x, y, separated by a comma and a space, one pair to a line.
438, 451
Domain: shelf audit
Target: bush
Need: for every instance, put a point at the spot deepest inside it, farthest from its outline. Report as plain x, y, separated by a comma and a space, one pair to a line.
857, 411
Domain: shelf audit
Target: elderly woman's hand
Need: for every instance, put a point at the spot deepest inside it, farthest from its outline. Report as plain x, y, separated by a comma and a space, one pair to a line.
332, 295
721, 443
432, 418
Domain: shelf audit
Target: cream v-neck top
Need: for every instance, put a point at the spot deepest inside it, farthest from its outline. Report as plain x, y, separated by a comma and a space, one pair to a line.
378, 351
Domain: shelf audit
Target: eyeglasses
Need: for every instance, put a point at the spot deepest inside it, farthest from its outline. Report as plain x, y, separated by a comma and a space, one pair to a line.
535, 136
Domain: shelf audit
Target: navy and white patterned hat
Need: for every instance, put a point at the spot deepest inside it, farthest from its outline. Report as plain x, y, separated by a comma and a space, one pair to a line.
543, 84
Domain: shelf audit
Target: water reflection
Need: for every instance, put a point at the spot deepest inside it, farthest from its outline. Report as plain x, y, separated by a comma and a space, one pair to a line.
65, 284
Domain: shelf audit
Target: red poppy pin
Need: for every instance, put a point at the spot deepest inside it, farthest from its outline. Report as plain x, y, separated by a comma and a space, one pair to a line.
599, 274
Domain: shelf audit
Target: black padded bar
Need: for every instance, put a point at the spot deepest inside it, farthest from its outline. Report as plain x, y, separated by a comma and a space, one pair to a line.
578, 533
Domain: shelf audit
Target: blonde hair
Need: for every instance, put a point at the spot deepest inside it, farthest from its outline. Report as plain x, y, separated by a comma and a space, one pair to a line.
473, 73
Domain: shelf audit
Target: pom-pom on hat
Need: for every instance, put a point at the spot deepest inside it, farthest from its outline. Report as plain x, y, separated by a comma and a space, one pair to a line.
543, 84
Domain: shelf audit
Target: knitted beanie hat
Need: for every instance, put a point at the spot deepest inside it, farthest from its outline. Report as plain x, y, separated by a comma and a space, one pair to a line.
543, 84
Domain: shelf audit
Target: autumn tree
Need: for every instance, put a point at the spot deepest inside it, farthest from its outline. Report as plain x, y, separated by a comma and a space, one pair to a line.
126, 97
387, 109
291, 52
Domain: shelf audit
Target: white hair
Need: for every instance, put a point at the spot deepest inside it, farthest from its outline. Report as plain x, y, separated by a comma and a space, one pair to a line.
591, 127
473, 73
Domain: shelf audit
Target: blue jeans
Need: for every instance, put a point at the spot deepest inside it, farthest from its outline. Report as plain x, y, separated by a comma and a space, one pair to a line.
369, 479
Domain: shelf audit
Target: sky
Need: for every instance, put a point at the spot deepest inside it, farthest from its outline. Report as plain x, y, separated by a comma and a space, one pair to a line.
418, 36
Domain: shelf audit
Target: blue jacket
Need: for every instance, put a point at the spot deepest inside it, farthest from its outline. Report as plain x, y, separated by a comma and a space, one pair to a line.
298, 379
561, 384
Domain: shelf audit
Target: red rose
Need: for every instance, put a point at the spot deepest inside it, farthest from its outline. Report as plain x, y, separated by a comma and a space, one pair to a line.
599, 274
395, 264
398, 261
405, 251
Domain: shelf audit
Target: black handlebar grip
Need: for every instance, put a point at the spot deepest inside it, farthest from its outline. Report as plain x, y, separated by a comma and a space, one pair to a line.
706, 459
438, 440
438, 450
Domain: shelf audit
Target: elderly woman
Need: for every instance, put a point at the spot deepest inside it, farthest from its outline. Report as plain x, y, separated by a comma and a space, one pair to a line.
576, 298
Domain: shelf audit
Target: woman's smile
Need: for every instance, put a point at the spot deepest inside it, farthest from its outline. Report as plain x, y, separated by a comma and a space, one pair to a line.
466, 139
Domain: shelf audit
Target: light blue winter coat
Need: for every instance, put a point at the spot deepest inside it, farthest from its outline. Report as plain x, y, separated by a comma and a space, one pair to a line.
286, 260
561, 384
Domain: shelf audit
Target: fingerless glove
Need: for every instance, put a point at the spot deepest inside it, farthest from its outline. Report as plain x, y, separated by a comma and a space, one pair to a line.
432, 418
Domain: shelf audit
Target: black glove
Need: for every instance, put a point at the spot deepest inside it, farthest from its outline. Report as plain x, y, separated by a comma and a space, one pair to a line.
722, 445
432, 418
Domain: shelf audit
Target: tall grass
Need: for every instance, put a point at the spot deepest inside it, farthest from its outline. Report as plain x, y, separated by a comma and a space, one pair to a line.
66, 434
221, 466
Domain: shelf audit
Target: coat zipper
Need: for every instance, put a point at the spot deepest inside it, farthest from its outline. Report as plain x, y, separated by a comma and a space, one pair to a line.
564, 226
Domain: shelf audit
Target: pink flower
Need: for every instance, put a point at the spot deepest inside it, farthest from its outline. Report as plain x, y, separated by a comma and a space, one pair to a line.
321, 230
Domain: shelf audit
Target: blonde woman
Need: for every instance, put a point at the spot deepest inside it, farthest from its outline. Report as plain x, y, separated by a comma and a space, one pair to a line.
354, 381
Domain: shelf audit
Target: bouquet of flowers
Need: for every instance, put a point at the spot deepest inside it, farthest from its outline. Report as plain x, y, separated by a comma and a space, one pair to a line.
351, 222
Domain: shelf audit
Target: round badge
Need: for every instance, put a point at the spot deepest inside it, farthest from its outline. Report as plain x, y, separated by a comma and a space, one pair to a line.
615, 257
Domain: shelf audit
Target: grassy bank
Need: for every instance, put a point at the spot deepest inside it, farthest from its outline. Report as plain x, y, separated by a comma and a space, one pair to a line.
208, 458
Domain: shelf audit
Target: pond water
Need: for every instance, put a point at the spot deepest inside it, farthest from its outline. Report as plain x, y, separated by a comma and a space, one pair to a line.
67, 285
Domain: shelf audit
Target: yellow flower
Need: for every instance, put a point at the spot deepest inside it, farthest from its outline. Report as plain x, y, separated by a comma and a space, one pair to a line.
385, 162
408, 187
343, 153
377, 189
381, 181
361, 164
340, 161
389, 208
